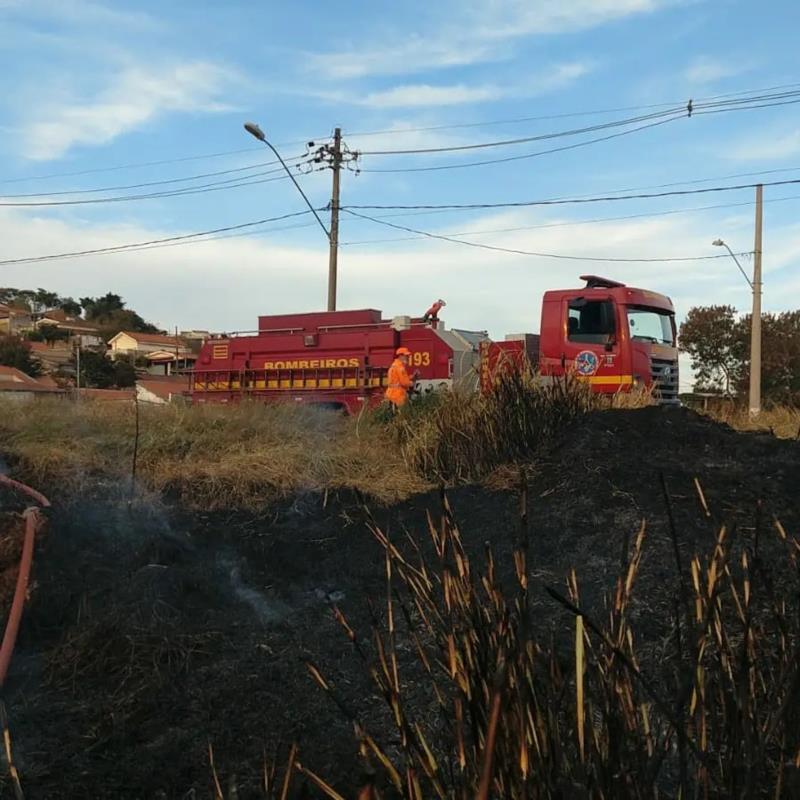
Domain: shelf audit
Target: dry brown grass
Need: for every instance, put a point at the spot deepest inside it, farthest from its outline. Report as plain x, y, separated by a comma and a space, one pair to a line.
246, 455
466, 437
209, 456
780, 421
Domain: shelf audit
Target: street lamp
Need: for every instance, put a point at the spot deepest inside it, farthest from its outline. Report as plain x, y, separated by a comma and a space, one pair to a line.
254, 130
755, 328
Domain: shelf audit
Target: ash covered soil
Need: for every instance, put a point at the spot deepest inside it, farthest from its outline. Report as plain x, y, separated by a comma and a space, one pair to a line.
152, 632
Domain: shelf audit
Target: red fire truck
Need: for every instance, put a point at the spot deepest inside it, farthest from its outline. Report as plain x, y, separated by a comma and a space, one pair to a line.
613, 336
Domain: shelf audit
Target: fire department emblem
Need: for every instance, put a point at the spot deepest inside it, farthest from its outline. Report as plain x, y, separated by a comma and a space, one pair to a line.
586, 363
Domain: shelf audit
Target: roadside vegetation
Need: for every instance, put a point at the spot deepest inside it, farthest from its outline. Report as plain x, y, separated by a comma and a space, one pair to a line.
780, 421
246, 456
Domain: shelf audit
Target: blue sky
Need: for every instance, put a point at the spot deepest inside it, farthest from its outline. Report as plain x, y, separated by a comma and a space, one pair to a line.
92, 86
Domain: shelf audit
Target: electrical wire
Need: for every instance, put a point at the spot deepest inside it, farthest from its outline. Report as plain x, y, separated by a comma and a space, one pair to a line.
387, 131
559, 256
122, 248
63, 192
570, 224
572, 200
685, 110
526, 139
574, 146
566, 115
231, 183
140, 164
208, 236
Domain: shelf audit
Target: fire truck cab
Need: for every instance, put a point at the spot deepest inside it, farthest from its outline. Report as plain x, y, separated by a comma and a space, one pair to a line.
611, 335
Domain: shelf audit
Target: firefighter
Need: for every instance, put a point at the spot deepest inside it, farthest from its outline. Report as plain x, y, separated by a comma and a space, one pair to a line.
432, 314
399, 379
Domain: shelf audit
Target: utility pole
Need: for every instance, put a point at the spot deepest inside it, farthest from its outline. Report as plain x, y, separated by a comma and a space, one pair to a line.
333, 257
755, 322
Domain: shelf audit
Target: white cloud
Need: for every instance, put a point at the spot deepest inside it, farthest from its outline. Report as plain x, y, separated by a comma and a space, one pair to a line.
427, 95
134, 97
484, 33
767, 145
414, 54
79, 12
423, 94
513, 18
704, 69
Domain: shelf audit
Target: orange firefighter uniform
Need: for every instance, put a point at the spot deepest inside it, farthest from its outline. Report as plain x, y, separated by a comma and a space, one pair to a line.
399, 380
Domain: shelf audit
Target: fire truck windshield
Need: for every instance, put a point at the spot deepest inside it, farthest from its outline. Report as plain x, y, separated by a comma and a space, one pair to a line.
651, 325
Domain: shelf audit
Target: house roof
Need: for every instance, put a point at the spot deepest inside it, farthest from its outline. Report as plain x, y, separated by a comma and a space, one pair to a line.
153, 338
169, 355
14, 380
60, 317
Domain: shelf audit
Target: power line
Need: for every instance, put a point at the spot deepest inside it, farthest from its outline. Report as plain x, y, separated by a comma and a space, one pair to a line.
153, 183
569, 224
388, 131
686, 109
525, 139
573, 200
559, 256
121, 248
231, 183
223, 233
574, 146
566, 115
139, 164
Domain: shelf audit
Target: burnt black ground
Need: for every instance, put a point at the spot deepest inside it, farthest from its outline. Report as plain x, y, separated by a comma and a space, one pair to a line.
153, 632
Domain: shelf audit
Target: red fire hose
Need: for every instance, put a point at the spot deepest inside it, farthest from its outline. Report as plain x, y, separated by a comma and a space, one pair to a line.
33, 521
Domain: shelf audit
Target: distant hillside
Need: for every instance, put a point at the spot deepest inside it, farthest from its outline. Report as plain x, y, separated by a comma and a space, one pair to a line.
108, 313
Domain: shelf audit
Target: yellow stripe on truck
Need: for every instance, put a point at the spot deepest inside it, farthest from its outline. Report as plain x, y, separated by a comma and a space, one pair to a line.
610, 380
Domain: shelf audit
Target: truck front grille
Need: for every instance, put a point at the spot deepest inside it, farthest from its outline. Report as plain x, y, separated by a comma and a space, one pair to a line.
665, 379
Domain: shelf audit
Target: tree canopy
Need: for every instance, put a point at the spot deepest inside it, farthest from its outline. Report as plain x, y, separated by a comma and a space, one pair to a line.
718, 341
16, 352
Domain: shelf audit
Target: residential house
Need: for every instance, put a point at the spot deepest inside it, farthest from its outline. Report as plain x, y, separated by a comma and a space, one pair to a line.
82, 333
15, 320
164, 354
16, 385
53, 356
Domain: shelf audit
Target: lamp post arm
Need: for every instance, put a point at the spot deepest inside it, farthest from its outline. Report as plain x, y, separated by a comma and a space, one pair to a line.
299, 189
749, 282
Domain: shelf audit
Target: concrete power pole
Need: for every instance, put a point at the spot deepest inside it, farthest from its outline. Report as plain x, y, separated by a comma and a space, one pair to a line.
333, 257
755, 322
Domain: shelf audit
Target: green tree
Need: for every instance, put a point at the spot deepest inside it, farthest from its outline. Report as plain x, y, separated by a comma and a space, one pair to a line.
780, 357
70, 306
98, 307
16, 352
47, 333
712, 336
111, 316
99, 372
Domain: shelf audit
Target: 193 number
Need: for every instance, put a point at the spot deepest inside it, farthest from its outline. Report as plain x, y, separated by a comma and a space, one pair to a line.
420, 359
